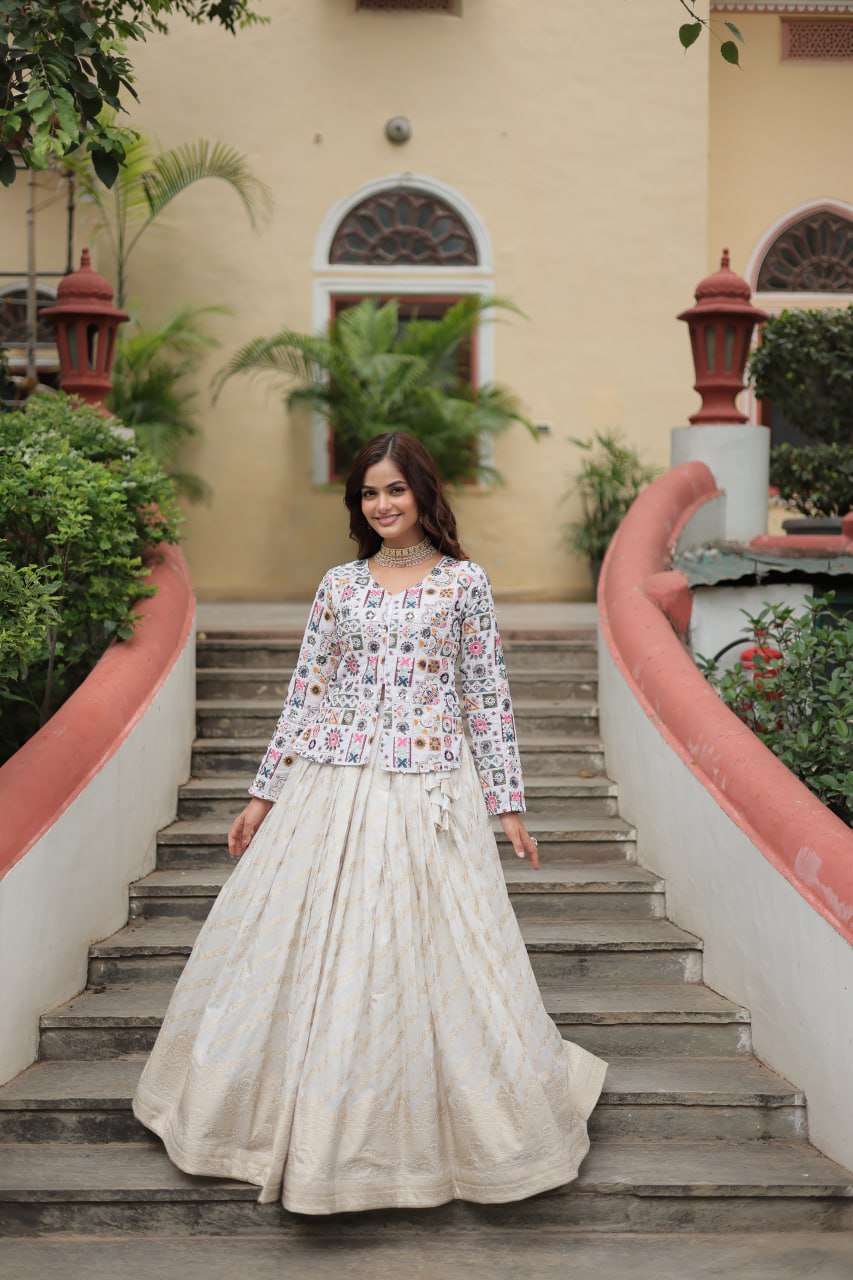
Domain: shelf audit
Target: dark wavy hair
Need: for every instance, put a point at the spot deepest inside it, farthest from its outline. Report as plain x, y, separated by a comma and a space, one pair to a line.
418, 468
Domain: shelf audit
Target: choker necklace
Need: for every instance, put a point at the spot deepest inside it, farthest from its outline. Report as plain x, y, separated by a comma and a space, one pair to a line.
403, 557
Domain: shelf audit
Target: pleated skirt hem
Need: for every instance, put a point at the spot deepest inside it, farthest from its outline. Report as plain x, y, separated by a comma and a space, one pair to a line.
360, 1196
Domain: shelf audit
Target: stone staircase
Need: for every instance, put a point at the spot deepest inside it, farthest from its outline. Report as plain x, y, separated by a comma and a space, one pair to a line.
692, 1134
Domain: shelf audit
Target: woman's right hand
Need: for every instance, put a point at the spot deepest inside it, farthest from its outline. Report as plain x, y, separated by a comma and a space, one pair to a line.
246, 824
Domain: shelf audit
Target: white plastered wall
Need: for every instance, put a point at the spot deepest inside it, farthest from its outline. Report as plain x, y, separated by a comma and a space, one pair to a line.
765, 947
70, 889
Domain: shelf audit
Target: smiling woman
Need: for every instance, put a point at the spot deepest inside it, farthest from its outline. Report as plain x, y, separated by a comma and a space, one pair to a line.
365, 950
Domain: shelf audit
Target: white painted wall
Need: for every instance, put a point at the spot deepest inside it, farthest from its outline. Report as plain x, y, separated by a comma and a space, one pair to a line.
717, 617
765, 947
70, 889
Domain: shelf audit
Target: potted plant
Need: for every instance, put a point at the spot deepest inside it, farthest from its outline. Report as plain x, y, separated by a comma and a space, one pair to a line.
804, 366
609, 478
370, 373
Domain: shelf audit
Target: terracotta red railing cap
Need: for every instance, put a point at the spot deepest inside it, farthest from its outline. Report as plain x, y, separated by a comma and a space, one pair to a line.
42, 779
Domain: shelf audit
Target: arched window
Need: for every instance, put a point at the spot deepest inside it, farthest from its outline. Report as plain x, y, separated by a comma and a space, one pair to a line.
812, 255
403, 226
14, 337
407, 237
13, 315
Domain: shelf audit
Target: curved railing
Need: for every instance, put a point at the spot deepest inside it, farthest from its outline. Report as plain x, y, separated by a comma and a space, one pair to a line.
644, 609
42, 779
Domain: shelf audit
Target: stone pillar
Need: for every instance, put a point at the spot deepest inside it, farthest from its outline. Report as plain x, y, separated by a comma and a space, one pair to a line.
739, 459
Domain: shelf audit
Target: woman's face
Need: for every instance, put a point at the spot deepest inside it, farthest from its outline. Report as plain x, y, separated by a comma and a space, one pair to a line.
389, 505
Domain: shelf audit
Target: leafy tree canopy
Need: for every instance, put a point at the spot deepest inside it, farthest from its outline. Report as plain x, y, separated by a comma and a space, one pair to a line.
63, 62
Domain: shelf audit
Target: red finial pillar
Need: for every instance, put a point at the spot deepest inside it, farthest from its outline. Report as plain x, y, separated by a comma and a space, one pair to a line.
721, 326
86, 325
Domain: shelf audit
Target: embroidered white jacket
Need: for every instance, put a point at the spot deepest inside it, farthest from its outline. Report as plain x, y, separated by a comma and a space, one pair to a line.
361, 640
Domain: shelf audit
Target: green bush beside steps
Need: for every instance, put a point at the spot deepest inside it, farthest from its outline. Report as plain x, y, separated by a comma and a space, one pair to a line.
799, 705
79, 505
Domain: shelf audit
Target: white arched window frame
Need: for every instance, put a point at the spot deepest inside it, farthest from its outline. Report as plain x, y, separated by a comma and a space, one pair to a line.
340, 281
774, 302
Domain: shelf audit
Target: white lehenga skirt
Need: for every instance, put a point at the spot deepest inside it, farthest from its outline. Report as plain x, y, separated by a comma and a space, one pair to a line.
358, 1025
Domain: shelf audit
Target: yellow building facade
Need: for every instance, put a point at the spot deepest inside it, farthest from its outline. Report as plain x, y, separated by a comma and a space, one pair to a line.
599, 171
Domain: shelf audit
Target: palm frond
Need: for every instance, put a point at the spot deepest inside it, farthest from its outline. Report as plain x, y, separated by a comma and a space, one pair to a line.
439, 339
370, 374
291, 354
367, 329
173, 171
181, 335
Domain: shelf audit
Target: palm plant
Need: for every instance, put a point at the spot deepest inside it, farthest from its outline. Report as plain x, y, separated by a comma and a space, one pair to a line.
147, 184
371, 373
609, 479
149, 391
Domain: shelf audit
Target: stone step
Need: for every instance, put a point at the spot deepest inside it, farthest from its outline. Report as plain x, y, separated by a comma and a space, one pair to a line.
652, 1098
617, 1020
632, 1185
610, 1019
476, 1253
235, 718
555, 891
251, 683
540, 754
222, 798
567, 839
560, 951
578, 651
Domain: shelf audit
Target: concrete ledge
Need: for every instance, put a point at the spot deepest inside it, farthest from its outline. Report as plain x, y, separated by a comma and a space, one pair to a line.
82, 802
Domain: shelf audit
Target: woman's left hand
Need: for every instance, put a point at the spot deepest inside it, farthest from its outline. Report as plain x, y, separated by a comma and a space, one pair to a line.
520, 838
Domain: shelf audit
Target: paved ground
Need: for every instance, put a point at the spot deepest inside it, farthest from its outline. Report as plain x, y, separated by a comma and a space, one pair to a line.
471, 1256
288, 615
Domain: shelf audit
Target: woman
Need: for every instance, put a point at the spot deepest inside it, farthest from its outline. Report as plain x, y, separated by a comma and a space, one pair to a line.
358, 1025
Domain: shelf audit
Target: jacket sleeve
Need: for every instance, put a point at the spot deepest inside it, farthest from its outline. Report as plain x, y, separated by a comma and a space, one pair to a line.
316, 664
485, 697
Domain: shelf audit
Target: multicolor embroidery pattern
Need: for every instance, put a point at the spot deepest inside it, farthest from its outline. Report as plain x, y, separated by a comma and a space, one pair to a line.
359, 640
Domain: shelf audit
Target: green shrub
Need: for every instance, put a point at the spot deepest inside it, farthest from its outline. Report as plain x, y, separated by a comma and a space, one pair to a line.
804, 364
78, 507
817, 480
801, 706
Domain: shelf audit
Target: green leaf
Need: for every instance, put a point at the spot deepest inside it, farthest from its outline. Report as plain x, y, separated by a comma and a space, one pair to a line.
735, 31
91, 105
7, 168
106, 166
689, 33
39, 97
730, 52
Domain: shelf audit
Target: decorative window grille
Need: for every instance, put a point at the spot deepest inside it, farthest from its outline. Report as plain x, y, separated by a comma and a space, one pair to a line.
428, 6
813, 255
817, 39
13, 316
401, 226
